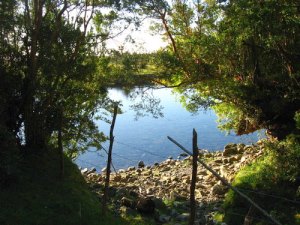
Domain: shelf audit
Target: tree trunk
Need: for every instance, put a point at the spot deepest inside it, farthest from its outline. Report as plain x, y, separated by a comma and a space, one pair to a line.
34, 136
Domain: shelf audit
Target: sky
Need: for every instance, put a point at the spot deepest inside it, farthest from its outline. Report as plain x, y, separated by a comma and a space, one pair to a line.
144, 40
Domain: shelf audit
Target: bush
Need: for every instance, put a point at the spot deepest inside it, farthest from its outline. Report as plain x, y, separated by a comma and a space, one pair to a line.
269, 182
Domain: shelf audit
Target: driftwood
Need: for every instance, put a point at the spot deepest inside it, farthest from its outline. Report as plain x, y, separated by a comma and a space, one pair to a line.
225, 182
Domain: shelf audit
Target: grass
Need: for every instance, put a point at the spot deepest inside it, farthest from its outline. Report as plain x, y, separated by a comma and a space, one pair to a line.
40, 197
267, 183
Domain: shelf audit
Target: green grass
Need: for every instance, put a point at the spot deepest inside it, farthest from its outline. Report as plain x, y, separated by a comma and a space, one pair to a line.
40, 197
266, 183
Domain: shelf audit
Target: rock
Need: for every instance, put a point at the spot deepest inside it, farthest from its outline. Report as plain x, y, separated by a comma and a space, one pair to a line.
145, 205
173, 195
173, 213
96, 186
93, 169
165, 169
159, 203
233, 159
131, 168
84, 171
121, 171
240, 148
121, 192
225, 160
218, 161
164, 218
128, 202
149, 191
112, 191
117, 178
218, 189
186, 180
223, 171
133, 194
141, 164
104, 170
230, 149
127, 211
202, 172
183, 217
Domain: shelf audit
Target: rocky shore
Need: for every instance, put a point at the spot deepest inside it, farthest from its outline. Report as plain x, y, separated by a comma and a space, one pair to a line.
162, 190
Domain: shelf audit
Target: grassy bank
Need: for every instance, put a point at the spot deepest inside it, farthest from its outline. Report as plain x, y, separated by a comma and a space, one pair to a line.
272, 182
37, 195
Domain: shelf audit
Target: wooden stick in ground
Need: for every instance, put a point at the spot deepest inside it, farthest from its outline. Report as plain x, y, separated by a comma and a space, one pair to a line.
193, 182
228, 184
111, 142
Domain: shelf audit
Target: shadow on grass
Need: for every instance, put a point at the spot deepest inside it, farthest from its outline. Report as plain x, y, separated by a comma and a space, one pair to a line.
39, 196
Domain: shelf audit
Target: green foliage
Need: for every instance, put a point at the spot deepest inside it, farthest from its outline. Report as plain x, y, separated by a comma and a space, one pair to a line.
285, 156
241, 54
50, 78
268, 181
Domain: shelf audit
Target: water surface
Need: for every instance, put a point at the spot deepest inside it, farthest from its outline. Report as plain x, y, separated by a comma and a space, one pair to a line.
146, 138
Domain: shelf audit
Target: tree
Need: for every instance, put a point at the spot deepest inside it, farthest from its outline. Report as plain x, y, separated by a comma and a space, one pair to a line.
49, 63
235, 55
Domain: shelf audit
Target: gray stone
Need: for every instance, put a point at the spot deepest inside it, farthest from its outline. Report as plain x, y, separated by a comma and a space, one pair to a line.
174, 213
218, 189
183, 217
128, 202
230, 149
141, 164
164, 218
183, 155
117, 178
103, 170
84, 171
131, 168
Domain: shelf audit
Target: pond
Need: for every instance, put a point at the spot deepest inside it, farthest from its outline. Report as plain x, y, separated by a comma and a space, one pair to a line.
145, 138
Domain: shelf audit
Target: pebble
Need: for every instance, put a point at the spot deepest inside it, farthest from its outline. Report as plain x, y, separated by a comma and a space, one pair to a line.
170, 180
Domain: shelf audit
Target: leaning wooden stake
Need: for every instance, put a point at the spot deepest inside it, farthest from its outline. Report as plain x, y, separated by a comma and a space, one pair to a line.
111, 142
227, 184
193, 182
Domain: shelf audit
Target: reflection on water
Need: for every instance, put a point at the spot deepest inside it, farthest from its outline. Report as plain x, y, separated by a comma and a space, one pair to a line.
146, 138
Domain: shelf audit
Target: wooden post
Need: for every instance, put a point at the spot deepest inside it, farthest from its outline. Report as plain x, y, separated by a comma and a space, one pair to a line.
111, 142
194, 178
225, 182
